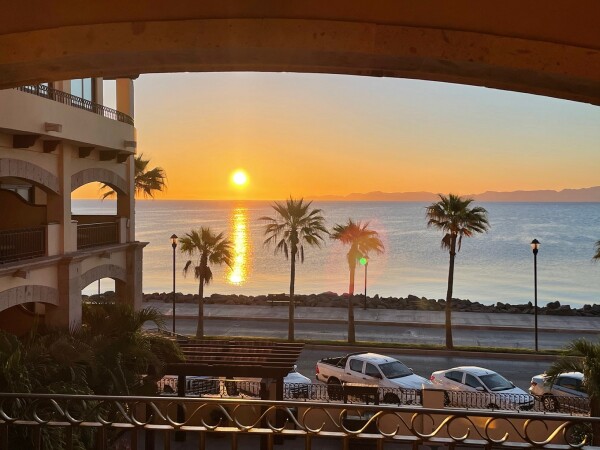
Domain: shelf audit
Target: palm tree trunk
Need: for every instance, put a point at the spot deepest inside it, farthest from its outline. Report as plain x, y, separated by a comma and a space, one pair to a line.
351, 328
449, 343
200, 326
291, 306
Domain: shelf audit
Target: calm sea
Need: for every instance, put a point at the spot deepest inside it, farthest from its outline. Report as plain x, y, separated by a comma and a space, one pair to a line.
497, 266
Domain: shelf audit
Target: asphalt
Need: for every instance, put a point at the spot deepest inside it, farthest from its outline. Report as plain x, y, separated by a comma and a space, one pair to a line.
382, 317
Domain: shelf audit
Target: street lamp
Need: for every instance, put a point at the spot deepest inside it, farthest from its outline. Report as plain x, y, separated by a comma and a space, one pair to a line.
365, 262
174, 245
535, 245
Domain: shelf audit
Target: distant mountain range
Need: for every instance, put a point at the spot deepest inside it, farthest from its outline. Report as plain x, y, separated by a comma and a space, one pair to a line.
591, 194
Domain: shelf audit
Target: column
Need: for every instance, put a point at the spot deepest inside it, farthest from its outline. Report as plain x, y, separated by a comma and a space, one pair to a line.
68, 311
126, 202
125, 98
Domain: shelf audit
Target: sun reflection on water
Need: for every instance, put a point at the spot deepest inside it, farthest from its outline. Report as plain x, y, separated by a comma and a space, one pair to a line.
241, 247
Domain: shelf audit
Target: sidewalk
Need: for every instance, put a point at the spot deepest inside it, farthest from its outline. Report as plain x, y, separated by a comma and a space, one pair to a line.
385, 317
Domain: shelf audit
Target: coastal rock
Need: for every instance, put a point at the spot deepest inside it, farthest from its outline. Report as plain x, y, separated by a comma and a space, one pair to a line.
331, 299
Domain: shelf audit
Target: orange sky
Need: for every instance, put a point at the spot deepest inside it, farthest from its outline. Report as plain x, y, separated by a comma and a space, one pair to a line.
304, 135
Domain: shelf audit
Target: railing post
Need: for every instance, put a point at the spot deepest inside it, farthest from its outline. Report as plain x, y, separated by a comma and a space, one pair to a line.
180, 435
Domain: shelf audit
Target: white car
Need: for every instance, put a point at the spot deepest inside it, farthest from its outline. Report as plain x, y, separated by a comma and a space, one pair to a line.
296, 385
471, 386
566, 391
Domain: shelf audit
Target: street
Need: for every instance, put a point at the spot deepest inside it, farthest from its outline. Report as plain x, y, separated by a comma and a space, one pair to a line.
376, 333
516, 370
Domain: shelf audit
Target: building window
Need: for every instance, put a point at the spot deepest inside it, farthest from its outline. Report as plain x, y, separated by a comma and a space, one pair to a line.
83, 88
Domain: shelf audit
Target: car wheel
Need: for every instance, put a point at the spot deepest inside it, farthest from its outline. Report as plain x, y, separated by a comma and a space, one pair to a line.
391, 398
492, 406
334, 389
550, 403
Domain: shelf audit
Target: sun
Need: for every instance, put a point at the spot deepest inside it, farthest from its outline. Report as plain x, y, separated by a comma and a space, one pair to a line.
239, 178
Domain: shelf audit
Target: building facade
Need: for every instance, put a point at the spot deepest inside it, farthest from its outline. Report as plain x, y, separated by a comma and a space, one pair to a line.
55, 138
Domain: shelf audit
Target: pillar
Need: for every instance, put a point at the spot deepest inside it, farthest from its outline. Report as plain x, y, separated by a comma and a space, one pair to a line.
59, 205
68, 311
126, 202
131, 292
125, 96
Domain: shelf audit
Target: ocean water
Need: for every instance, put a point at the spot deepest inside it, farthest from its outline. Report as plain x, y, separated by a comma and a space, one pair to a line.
492, 267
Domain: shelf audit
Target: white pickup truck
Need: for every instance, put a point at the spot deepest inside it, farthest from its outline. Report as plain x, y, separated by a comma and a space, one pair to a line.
369, 369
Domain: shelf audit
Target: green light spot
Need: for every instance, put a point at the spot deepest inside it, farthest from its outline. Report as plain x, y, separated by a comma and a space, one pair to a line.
363, 261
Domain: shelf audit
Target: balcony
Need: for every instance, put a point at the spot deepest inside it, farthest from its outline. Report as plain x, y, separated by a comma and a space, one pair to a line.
76, 102
97, 234
24, 243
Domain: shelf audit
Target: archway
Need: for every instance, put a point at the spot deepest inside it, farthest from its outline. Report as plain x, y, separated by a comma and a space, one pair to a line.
22, 306
508, 45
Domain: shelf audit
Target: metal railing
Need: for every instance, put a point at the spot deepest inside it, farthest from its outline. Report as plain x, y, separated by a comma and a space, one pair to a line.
103, 422
77, 102
24, 243
97, 234
206, 386
517, 402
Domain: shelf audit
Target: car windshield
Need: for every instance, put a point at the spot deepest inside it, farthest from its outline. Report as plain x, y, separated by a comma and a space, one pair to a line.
395, 370
495, 382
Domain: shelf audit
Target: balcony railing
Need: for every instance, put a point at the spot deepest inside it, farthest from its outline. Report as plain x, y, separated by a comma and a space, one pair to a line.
23, 243
97, 234
77, 102
103, 422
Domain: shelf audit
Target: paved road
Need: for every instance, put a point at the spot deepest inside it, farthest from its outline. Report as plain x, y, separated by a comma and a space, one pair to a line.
378, 333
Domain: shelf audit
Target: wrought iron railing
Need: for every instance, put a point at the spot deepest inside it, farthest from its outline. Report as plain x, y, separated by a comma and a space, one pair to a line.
22, 243
517, 402
202, 386
42, 90
103, 422
97, 234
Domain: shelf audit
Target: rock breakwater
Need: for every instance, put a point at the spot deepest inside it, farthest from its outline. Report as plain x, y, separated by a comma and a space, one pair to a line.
412, 302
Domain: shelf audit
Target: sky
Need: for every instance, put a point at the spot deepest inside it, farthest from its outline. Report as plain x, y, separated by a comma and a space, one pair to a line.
313, 134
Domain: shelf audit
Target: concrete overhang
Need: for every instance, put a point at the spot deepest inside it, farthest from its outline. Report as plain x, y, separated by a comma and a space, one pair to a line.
538, 47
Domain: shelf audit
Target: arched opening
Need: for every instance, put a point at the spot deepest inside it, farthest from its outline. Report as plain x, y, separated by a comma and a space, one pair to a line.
106, 282
103, 289
24, 306
102, 218
26, 190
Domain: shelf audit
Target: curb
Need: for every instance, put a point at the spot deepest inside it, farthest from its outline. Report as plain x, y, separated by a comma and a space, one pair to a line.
429, 352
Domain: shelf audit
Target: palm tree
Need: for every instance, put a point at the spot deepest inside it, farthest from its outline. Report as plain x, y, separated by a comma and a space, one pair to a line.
454, 216
146, 181
362, 241
583, 356
596, 256
209, 248
294, 225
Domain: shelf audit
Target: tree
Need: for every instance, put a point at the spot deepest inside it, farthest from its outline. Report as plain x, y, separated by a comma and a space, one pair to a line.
209, 248
454, 216
362, 241
146, 181
294, 225
583, 356
596, 256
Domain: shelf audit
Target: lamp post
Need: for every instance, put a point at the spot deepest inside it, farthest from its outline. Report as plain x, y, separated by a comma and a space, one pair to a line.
535, 245
365, 262
174, 245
